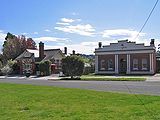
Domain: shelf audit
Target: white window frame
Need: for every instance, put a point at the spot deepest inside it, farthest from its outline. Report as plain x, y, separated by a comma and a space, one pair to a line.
135, 63
144, 64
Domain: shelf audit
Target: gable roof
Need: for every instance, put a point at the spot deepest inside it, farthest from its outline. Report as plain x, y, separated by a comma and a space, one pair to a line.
35, 52
49, 54
53, 53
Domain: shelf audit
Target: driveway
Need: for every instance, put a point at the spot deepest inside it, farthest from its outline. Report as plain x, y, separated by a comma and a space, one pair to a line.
145, 87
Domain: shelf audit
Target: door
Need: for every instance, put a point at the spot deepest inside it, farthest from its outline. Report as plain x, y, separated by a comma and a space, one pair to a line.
123, 66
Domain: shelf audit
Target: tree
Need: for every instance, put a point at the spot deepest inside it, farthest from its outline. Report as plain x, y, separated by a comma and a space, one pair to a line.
13, 46
31, 44
72, 66
45, 68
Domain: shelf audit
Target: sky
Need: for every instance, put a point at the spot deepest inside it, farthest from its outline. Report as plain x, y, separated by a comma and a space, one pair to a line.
80, 24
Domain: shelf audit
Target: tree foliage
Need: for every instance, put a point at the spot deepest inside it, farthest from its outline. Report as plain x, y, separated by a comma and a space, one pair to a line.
72, 66
45, 68
13, 46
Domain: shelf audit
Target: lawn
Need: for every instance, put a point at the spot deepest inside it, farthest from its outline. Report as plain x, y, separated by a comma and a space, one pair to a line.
105, 78
28, 102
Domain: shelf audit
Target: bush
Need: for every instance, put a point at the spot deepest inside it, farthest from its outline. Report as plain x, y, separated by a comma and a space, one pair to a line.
6, 70
72, 66
45, 68
88, 69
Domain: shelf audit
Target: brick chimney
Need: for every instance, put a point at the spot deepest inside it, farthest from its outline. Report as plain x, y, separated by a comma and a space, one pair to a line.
41, 50
152, 43
100, 44
65, 50
73, 52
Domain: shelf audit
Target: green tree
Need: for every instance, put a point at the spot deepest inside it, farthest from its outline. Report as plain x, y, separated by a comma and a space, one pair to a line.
72, 66
45, 68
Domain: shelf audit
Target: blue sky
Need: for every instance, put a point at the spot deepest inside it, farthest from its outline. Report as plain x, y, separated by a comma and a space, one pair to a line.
79, 24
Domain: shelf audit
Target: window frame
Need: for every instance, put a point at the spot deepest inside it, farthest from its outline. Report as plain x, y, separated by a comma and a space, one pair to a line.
135, 64
144, 62
102, 66
110, 64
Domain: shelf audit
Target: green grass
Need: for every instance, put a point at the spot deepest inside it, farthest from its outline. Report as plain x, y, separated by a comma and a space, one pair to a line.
112, 79
27, 102
84, 78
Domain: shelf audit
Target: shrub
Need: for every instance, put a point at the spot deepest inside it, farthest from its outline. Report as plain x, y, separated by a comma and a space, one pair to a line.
6, 70
45, 68
72, 66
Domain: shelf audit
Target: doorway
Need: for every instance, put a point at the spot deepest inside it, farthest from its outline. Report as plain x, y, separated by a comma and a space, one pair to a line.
123, 66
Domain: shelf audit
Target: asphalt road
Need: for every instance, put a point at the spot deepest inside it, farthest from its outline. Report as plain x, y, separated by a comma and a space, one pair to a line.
145, 87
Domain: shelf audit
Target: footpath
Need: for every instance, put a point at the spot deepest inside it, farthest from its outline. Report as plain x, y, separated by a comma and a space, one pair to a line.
153, 78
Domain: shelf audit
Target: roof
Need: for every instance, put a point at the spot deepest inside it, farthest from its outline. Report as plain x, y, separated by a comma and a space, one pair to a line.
124, 45
25, 54
49, 54
35, 52
53, 53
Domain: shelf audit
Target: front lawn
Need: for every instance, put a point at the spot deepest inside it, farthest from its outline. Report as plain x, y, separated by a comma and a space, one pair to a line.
105, 78
113, 78
28, 102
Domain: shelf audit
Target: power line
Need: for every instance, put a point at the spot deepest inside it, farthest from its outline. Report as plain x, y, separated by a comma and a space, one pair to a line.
145, 107
147, 19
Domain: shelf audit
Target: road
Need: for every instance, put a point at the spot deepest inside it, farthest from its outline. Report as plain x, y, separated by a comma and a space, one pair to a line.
145, 87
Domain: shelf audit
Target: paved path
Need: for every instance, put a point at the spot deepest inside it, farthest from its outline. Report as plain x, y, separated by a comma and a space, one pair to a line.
145, 87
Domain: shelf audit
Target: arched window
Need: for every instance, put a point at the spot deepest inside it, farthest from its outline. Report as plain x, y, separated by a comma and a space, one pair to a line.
135, 64
110, 64
144, 64
102, 65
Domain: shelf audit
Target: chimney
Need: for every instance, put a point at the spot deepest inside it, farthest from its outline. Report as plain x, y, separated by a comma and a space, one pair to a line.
152, 43
65, 50
100, 44
73, 52
41, 50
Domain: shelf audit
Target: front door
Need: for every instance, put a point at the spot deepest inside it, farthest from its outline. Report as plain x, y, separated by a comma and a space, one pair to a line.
123, 66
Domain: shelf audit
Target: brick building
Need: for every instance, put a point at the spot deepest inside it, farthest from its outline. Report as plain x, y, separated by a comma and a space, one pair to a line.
29, 59
125, 57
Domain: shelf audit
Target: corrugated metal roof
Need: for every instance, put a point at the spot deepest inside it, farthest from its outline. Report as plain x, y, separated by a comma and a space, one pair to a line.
36, 52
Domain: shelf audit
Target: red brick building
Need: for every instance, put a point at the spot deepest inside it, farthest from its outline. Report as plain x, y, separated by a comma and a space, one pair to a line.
29, 58
125, 57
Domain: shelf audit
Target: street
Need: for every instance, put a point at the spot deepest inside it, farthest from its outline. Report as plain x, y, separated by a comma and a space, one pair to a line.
143, 87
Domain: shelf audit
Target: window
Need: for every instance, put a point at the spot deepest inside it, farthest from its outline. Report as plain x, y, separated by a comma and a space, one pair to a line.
144, 64
135, 64
28, 66
102, 65
110, 64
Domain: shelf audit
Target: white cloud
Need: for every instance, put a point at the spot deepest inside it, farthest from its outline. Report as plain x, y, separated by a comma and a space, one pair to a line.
47, 30
62, 23
52, 39
36, 33
74, 13
88, 47
2, 36
24, 33
121, 34
85, 30
77, 47
66, 20
89, 43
